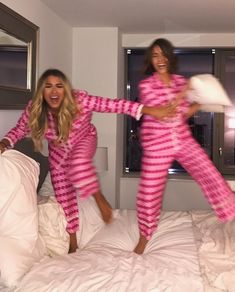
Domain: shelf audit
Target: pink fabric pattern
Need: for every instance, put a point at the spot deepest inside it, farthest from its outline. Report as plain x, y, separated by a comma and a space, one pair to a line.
166, 141
71, 166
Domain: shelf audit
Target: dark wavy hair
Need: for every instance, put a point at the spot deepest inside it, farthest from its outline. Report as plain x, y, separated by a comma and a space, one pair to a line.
168, 51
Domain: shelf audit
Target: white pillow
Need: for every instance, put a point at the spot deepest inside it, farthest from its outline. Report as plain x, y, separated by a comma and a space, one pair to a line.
90, 220
52, 226
122, 233
52, 222
207, 90
217, 108
20, 244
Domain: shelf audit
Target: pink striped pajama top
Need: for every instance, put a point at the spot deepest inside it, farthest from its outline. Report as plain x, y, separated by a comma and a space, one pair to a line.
71, 165
162, 143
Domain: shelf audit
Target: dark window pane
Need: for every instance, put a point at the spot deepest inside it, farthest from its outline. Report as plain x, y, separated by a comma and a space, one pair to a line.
229, 129
190, 62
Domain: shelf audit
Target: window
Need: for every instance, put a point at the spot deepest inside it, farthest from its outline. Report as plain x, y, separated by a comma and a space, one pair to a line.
207, 127
226, 125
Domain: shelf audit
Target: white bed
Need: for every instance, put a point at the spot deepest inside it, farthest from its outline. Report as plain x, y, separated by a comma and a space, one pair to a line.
191, 251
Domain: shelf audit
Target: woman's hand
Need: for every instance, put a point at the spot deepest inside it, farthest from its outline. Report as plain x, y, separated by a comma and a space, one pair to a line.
181, 95
4, 144
160, 112
194, 107
2, 148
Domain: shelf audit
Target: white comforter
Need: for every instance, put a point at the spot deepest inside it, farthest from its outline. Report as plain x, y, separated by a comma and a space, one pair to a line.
216, 248
189, 248
106, 262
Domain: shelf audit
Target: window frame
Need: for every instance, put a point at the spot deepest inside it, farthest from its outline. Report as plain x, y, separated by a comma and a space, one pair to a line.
218, 118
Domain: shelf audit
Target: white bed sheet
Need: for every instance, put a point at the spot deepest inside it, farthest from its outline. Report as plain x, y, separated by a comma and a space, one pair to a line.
107, 263
3, 288
216, 249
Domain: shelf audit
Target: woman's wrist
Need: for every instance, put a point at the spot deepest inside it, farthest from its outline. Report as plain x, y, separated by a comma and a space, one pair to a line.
195, 107
5, 143
146, 110
2, 147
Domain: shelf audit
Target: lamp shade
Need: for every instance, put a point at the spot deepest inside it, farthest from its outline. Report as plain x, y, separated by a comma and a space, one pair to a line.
101, 159
231, 123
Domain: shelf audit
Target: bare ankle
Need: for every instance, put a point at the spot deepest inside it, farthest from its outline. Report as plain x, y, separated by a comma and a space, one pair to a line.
104, 207
72, 242
141, 245
98, 196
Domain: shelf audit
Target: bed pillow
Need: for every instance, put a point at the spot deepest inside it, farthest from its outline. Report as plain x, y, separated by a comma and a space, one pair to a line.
52, 226
216, 108
20, 244
207, 90
90, 220
26, 147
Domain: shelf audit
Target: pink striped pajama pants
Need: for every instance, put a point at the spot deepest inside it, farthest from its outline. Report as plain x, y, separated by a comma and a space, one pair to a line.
155, 165
76, 176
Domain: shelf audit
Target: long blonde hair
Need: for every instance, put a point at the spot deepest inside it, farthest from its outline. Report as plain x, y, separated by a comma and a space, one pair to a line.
38, 121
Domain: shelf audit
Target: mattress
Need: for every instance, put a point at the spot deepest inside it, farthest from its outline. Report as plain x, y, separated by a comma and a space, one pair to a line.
106, 261
216, 249
191, 251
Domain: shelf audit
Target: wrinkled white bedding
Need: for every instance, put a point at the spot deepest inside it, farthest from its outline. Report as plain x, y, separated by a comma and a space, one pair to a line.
216, 248
52, 226
171, 263
191, 251
107, 263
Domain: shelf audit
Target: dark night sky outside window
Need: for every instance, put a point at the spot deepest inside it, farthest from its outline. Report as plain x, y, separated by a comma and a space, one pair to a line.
190, 62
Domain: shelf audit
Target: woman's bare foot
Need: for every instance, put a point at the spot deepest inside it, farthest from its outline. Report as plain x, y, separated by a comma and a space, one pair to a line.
104, 206
72, 249
140, 247
73, 245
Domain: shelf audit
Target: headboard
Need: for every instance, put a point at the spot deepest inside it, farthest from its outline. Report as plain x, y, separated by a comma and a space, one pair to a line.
26, 147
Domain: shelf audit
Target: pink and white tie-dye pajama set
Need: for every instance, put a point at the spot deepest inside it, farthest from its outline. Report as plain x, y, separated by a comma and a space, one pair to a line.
162, 143
71, 167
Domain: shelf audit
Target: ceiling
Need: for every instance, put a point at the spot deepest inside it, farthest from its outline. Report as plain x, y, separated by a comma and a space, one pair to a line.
149, 16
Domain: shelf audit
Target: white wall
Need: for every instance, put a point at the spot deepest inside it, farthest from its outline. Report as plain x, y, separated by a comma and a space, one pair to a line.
95, 69
55, 45
94, 59
181, 40
181, 194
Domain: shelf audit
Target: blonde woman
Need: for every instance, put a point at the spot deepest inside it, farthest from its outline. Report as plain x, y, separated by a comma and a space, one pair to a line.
63, 117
